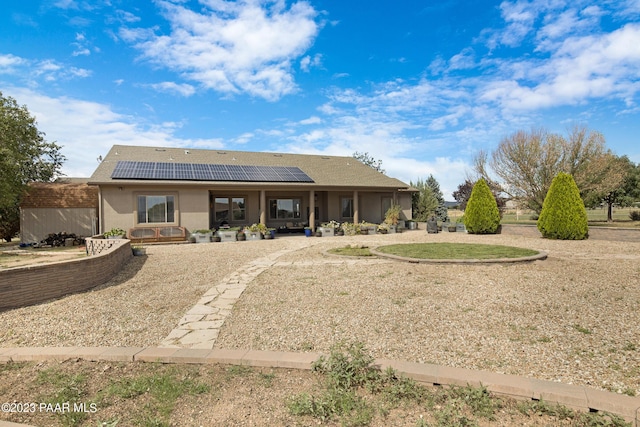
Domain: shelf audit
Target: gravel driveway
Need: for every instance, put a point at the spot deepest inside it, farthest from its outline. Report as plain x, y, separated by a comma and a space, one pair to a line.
574, 317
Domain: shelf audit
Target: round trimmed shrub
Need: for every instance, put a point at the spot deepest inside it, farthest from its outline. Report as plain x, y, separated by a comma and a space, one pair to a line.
563, 215
481, 215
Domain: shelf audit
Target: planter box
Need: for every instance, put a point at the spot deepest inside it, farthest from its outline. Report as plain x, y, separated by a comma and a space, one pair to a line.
372, 228
460, 228
326, 231
253, 235
202, 237
227, 235
392, 228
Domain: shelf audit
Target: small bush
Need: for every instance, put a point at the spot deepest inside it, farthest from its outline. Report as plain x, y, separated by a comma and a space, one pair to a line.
482, 215
563, 213
634, 215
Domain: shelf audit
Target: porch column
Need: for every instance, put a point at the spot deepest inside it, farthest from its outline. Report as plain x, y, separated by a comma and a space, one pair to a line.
312, 209
356, 215
263, 207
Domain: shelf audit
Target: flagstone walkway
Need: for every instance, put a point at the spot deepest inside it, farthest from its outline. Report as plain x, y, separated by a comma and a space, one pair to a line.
200, 326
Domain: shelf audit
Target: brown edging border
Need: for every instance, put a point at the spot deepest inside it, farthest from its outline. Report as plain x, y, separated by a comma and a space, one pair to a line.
576, 397
541, 255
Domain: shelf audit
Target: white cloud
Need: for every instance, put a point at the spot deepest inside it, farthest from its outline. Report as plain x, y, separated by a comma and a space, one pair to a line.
87, 129
232, 47
172, 87
244, 138
307, 62
313, 120
582, 68
8, 63
32, 72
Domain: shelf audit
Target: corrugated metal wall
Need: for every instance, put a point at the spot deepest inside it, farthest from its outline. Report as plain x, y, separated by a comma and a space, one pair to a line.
36, 224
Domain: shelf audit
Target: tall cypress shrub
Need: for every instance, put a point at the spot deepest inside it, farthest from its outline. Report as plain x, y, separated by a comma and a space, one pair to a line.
481, 215
563, 213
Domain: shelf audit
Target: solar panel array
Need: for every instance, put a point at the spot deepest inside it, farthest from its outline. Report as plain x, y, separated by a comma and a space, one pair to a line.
207, 172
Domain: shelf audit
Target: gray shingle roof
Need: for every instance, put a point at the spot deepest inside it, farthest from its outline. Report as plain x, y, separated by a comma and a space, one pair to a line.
326, 171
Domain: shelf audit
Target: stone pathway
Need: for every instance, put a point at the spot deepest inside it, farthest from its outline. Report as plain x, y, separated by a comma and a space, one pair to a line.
200, 326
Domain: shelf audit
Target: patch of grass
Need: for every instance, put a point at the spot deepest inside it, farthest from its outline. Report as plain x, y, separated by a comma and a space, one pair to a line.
164, 389
349, 251
582, 330
65, 388
455, 251
578, 419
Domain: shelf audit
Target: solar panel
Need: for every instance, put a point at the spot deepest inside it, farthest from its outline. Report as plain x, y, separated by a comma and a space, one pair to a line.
237, 173
207, 172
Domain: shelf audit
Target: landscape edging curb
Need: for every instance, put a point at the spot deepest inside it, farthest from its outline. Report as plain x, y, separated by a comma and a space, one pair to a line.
521, 388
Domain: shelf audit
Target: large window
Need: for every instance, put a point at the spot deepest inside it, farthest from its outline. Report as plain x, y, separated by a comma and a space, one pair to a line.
156, 209
285, 208
229, 209
346, 204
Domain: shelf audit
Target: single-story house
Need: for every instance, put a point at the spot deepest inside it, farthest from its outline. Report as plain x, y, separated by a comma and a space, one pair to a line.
68, 205
197, 189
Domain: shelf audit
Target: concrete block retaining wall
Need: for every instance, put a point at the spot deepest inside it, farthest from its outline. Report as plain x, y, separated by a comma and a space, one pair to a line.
22, 286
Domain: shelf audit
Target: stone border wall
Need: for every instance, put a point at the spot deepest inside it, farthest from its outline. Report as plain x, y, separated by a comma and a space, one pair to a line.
22, 286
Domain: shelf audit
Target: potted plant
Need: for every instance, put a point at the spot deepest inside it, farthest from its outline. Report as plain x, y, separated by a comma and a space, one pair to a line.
255, 231
432, 224
328, 228
367, 228
318, 233
138, 250
308, 231
460, 225
202, 236
115, 233
349, 228
392, 217
270, 233
228, 234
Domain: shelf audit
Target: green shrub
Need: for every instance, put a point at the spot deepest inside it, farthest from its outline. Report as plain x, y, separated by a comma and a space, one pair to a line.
481, 215
634, 215
563, 213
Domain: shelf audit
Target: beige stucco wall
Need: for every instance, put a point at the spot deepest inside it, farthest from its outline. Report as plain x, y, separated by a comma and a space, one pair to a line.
193, 205
37, 223
119, 205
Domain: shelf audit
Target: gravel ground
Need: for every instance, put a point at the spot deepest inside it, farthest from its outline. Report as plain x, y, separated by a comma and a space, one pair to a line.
573, 318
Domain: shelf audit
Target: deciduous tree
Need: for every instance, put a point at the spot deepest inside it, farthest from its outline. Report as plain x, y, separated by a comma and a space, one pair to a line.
527, 162
24, 157
369, 161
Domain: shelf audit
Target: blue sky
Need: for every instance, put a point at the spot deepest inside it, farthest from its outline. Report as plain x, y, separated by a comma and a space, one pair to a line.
420, 85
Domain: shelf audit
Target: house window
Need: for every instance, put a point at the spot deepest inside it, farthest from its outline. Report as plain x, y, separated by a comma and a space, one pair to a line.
346, 204
156, 209
230, 209
285, 208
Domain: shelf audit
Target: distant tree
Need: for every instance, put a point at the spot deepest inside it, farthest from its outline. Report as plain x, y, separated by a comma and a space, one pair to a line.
631, 183
423, 203
462, 194
481, 215
611, 189
369, 161
527, 162
24, 157
563, 213
440, 211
